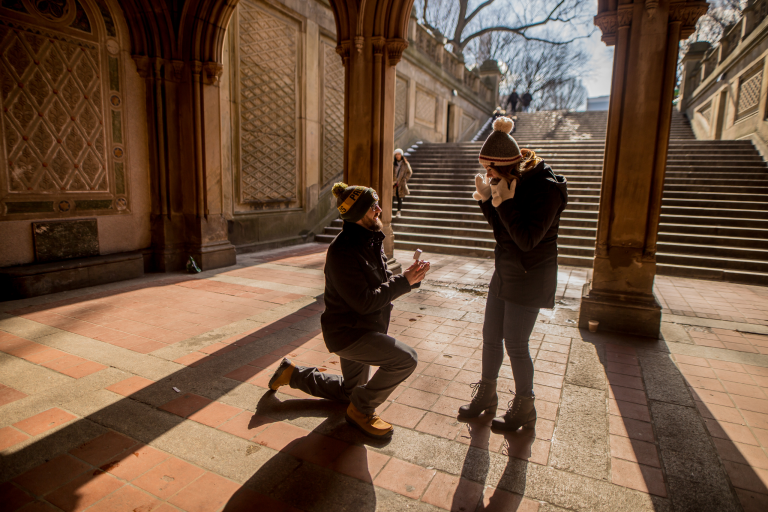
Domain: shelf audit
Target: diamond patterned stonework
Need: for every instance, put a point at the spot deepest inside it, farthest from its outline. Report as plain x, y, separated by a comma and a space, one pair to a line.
426, 107
401, 103
749, 94
268, 58
54, 130
333, 115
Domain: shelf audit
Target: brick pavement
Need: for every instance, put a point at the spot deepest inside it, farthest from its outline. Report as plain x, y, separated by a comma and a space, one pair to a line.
151, 395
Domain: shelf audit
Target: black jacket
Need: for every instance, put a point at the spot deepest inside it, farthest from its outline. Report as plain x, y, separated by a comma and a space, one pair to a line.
512, 100
359, 289
525, 228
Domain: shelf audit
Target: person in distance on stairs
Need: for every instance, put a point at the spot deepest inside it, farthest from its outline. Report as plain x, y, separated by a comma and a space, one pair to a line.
512, 100
402, 173
522, 200
359, 290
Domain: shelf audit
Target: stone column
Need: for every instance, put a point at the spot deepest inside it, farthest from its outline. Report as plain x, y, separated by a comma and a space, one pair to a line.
646, 35
185, 164
371, 40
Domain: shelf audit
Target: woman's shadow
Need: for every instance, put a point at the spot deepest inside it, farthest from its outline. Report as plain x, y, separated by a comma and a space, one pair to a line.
472, 493
327, 469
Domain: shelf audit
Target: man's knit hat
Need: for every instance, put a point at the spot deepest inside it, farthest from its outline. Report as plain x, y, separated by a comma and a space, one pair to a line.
353, 201
500, 148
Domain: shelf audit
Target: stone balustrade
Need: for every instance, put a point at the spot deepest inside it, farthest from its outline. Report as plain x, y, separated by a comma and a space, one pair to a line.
723, 90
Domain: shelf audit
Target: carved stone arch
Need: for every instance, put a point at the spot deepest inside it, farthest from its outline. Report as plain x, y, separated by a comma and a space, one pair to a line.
194, 33
203, 28
152, 28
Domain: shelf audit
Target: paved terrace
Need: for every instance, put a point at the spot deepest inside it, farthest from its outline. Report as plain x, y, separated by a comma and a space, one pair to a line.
151, 395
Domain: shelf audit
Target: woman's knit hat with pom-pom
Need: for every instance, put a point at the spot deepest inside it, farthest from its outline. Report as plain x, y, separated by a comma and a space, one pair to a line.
353, 201
500, 148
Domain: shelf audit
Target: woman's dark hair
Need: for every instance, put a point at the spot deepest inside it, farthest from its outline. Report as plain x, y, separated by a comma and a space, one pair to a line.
402, 157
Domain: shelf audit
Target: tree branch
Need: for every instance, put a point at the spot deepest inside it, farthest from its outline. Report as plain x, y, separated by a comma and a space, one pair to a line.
518, 30
476, 11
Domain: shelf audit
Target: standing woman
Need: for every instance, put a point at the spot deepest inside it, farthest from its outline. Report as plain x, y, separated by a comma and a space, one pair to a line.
522, 200
401, 174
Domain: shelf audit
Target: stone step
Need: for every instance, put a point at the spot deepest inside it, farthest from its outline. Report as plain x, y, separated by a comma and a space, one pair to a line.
714, 214
712, 236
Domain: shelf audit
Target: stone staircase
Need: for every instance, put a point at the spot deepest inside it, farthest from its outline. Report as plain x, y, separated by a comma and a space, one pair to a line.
714, 220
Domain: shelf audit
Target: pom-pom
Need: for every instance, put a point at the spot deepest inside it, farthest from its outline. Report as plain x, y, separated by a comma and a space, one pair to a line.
503, 124
338, 189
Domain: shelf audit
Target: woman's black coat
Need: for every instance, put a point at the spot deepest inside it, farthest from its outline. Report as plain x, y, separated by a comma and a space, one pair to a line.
525, 228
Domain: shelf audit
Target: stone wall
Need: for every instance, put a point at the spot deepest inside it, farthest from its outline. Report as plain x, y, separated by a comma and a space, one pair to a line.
70, 149
283, 103
283, 96
724, 88
76, 140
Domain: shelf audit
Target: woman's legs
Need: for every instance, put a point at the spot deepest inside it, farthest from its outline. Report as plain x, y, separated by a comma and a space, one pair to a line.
518, 326
493, 334
399, 200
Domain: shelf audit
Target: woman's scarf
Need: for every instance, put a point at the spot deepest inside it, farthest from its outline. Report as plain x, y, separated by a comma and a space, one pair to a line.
398, 170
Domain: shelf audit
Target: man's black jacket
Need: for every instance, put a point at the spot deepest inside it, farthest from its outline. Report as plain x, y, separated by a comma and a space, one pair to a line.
525, 228
359, 289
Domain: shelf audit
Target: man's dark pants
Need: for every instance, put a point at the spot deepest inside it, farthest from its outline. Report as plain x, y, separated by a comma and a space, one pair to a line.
396, 362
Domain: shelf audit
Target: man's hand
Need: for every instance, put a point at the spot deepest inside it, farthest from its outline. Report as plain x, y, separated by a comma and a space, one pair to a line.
416, 272
502, 191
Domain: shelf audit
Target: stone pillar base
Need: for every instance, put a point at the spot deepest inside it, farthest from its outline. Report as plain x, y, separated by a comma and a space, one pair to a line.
394, 266
172, 259
639, 316
215, 256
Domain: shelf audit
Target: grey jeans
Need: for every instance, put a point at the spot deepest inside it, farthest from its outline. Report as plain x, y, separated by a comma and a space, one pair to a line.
396, 362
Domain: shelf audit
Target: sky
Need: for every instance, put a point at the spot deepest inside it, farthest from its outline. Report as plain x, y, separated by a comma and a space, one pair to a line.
598, 79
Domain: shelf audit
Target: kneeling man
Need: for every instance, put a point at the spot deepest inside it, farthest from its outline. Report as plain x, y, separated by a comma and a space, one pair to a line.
359, 290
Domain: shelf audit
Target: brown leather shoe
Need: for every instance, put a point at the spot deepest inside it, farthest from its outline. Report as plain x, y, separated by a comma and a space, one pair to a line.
282, 376
369, 424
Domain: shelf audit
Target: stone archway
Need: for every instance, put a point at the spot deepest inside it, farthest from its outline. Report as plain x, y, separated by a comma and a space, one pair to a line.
177, 50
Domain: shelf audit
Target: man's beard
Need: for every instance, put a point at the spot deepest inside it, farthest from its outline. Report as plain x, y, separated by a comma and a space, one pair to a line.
373, 224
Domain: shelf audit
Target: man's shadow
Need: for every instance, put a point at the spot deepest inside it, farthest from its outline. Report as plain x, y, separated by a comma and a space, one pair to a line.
327, 469
471, 493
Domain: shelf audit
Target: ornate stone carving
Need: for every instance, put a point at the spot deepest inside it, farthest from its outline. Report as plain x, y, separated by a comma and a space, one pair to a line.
395, 49
651, 6
53, 10
608, 23
143, 65
379, 44
687, 14
624, 15
359, 43
212, 72
333, 116
268, 60
343, 51
53, 123
749, 94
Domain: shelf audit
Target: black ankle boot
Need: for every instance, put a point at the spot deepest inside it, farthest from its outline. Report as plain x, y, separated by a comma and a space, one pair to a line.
484, 398
521, 413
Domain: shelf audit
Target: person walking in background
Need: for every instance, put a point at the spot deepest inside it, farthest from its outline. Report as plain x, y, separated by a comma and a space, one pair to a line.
522, 200
512, 99
401, 174
525, 101
359, 290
